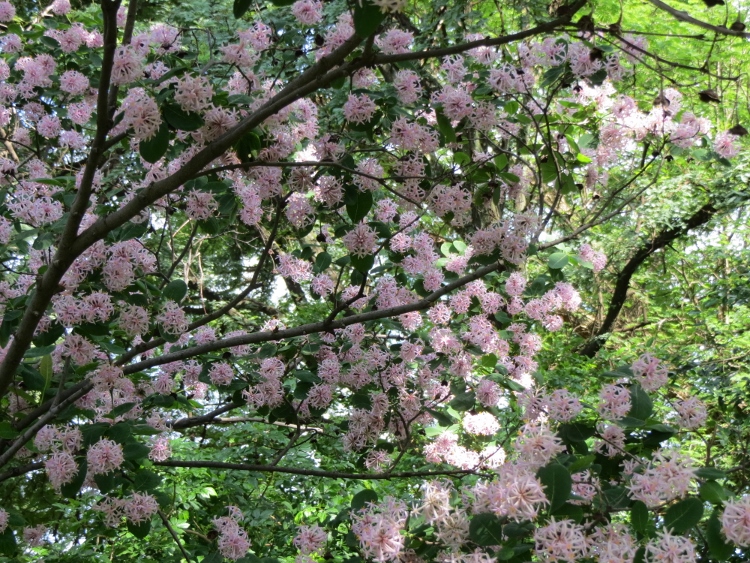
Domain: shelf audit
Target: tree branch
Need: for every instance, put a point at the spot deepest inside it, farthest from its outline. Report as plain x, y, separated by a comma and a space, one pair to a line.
310, 472
700, 217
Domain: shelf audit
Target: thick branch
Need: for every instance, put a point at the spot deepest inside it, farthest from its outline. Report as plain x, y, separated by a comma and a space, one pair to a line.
700, 217
309, 472
312, 328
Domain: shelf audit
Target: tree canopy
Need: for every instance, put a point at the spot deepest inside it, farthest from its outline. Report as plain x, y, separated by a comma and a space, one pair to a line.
378, 280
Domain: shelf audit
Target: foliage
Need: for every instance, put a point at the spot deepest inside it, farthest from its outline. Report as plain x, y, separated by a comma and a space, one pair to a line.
375, 280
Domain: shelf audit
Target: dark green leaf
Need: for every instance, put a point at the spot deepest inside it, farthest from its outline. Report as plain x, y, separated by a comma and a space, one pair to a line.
641, 405
485, 530
181, 119
105, 482
8, 544
71, 489
135, 451
710, 473
240, 7
156, 147
684, 515
367, 18
640, 518
362, 263
445, 127
463, 402
146, 480
6, 431
322, 261
139, 530
120, 410
711, 491
557, 484
719, 549
362, 498
358, 204
175, 290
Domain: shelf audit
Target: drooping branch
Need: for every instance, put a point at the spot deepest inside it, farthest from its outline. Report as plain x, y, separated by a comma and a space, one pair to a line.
665, 237
687, 18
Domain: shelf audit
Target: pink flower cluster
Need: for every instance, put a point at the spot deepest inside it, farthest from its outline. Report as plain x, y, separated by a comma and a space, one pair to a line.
233, 540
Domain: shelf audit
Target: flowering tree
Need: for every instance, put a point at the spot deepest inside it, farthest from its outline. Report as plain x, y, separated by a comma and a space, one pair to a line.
300, 285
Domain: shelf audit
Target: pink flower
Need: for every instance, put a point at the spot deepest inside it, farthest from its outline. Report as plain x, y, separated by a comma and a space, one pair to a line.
361, 241
140, 508
359, 108
200, 205
160, 451
725, 145
7, 12
481, 424
563, 406
104, 456
34, 536
61, 468
295, 268
394, 41
73, 82
408, 88
735, 521
173, 319
221, 373
692, 413
310, 539
666, 548
650, 372
193, 93
127, 66
3, 520
308, 12
560, 541
614, 402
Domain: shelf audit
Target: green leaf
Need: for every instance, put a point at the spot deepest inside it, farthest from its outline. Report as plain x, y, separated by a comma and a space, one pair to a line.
485, 530
7, 432
71, 489
135, 451
8, 544
240, 7
362, 263
684, 515
575, 432
146, 480
557, 261
442, 418
718, 548
557, 484
445, 127
156, 147
175, 290
105, 482
712, 492
119, 410
322, 262
139, 530
640, 518
710, 473
181, 119
358, 204
463, 402
641, 404
367, 18
362, 498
